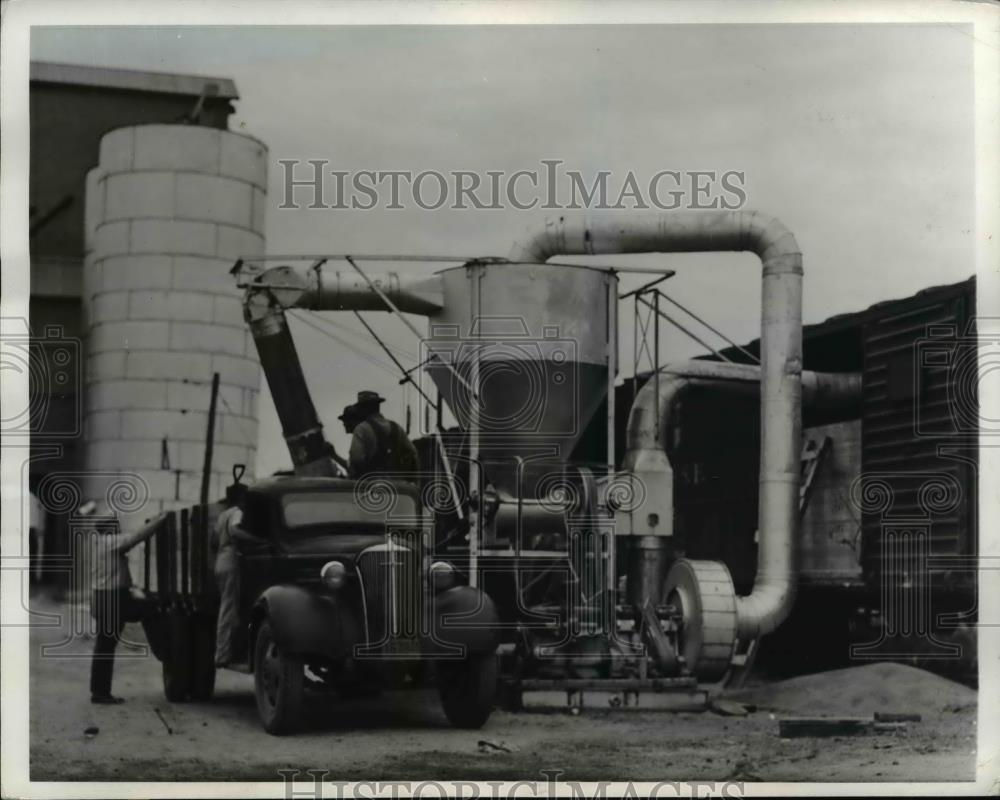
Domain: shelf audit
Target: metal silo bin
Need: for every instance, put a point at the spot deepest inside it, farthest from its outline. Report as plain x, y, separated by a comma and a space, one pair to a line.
169, 209
535, 343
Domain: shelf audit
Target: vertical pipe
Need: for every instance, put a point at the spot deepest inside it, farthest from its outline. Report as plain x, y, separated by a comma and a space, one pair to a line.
635, 346
612, 336
475, 517
605, 537
656, 351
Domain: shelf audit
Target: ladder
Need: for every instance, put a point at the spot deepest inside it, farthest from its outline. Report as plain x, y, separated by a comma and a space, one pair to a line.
813, 452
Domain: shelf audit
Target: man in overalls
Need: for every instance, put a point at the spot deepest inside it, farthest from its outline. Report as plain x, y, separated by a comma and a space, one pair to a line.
228, 532
378, 445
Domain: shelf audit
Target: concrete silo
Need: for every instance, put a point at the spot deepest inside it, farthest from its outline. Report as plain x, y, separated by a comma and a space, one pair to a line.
169, 209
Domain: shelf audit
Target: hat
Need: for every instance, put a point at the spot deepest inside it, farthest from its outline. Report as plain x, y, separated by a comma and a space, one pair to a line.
366, 398
349, 412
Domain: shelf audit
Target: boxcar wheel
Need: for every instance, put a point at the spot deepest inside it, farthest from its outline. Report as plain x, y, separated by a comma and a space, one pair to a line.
469, 689
279, 683
177, 659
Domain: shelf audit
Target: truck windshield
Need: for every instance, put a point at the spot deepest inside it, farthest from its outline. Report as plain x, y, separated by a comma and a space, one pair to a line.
313, 508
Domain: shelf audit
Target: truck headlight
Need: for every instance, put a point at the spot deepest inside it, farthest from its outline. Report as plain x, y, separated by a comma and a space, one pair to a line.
333, 574
443, 576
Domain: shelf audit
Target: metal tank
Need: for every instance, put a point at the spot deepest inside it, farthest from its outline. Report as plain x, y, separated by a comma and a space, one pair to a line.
169, 207
523, 355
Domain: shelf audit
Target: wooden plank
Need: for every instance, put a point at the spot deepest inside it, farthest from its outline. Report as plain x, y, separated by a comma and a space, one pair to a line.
172, 557
195, 552
145, 565
888, 716
185, 549
818, 726
161, 560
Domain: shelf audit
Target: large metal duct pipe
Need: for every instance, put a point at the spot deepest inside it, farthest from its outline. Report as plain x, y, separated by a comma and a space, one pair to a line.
781, 370
647, 442
649, 417
319, 289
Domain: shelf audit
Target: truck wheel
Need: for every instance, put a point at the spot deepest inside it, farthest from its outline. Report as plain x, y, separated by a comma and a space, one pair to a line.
468, 689
279, 683
177, 660
203, 658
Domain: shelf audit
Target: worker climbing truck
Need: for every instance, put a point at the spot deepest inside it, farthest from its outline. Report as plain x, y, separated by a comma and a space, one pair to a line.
337, 591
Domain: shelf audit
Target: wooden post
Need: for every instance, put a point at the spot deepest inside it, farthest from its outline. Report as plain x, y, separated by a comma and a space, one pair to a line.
185, 535
206, 471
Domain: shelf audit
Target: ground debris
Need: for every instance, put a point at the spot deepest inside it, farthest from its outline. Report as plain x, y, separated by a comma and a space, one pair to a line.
743, 770
91, 731
164, 721
729, 708
486, 746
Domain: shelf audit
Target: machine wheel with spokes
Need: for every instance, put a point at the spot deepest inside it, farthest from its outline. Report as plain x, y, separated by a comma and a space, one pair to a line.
279, 684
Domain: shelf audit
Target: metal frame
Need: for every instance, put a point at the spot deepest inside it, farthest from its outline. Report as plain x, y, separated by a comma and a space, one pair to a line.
646, 315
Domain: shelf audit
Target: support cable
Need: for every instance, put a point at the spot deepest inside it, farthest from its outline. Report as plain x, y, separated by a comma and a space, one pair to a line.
684, 330
392, 307
717, 332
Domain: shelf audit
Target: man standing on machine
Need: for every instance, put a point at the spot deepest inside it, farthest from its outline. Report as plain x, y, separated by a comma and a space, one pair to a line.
378, 445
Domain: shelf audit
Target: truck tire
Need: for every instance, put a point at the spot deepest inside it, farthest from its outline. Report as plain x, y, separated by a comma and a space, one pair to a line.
279, 684
177, 660
203, 658
469, 689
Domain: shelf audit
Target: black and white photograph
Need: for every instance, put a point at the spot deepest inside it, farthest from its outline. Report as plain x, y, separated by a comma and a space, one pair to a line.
499, 399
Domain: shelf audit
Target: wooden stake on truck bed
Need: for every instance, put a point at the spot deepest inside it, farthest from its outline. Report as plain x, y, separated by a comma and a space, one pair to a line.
206, 471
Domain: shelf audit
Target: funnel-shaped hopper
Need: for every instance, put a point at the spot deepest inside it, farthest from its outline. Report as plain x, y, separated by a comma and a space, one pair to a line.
533, 342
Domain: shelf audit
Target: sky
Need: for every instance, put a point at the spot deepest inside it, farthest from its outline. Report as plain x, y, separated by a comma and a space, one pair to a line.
859, 138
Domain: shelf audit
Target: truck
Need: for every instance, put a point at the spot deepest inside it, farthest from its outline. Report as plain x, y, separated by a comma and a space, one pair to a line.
336, 593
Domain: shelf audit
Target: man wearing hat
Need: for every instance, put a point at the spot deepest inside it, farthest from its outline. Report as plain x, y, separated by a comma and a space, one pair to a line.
111, 600
377, 444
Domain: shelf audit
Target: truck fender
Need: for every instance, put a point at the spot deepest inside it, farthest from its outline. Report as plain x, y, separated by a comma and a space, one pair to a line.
463, 616
305, 622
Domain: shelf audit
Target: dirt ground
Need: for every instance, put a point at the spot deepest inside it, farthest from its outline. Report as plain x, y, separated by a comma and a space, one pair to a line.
404, 736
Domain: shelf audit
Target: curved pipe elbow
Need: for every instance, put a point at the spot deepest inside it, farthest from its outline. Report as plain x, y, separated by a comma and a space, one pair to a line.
762, 611
688, 231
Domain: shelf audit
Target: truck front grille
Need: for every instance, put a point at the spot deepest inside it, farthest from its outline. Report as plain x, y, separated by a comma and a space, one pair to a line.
392, 583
